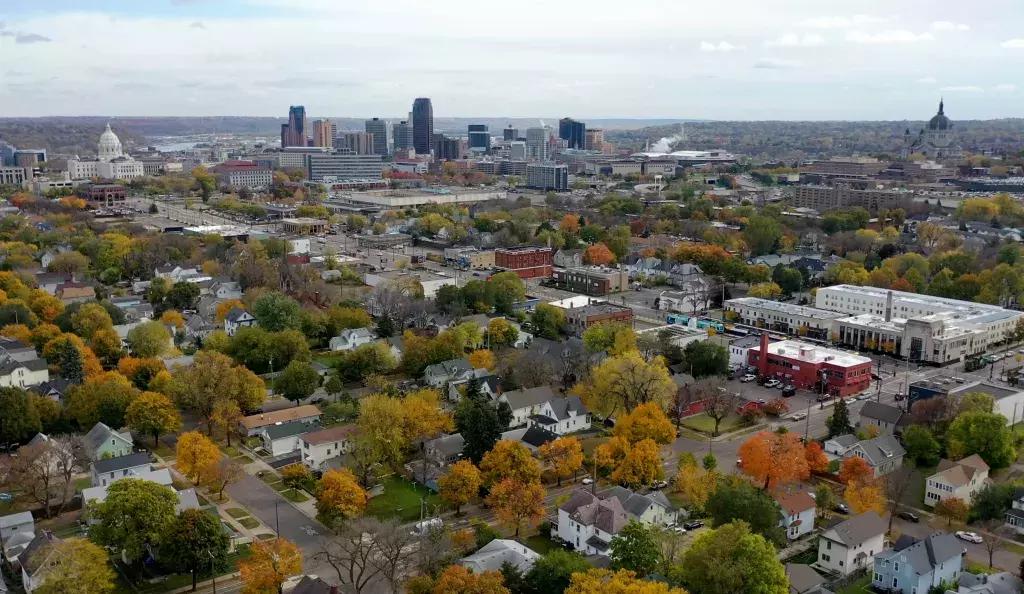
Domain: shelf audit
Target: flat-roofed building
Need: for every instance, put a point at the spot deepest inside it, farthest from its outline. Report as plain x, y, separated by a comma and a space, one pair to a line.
808, 366
591, 280
343, 166
304, 226
783, 317
526, 261
822, 198
866, 166
578, 319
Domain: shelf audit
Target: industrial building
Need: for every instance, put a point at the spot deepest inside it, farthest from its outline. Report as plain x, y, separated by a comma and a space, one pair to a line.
591, 280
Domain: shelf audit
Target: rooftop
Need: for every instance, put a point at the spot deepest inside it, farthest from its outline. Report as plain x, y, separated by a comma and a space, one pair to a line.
787, 308
575, 301
810, 353
279, 416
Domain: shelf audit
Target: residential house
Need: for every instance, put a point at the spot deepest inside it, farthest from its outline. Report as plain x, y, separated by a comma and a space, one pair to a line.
22, 374
174, 273
883, 454
884, 416
561, 415
493, 555
123, 330
453, 370
804, 580
285, 438
207, 307
588, 523
396, 344
311, 584
103, 442
797, 510
160, 476
982, 583
525, 403
651, 508
568, 258
196, 326
837, 446
70, 293
322, 450
682, 275
17, 350
489, 385
225, 289
35, 560
49, 281
253, 425
54, 389
960, 479
19, 523
447, 449
850, 545
105, 472
143, 311
127, 301
917, 566
237, 318
351, 338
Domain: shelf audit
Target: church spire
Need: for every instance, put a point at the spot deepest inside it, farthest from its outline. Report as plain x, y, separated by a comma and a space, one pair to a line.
940, 107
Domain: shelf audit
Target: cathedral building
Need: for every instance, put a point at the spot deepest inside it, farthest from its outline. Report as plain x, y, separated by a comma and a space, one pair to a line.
110, 163
936, 142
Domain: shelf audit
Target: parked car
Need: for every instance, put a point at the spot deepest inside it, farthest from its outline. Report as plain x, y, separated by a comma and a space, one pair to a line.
798, 416
772, 383
908, 516
659, 485
316, 400
679, 530
788, 392
588, 481
693, 524
748, 378
969, 537
842, 508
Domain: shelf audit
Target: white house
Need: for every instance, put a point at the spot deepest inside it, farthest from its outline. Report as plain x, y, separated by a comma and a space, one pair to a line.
651, 508
106, 471
237, 318
175, 273
19, 523
21, 374
253, 425
98, 494
837, 446
322, 449
498, 552
562, 415
1015, 515
351, 338
883, 454
884, 416
961, 479
739, 347
525, 403
226, 289
853, 544
588, 523
285, 438
797, 511
448, 371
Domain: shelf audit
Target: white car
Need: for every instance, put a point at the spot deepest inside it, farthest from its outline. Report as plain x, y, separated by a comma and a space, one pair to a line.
588, 481
748, 378
798, 416
969, 537
772, 384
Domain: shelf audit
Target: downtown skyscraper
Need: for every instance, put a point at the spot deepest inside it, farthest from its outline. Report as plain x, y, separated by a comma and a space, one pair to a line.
294, 132
422, 126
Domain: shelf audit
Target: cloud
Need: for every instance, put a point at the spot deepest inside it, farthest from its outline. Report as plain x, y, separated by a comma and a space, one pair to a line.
928, 80
1005, 87
963, 89
31, 38
841, 22
888, 36
776, 64
197, 25
7, 34
794, 40
1013, 43
949, 26
723, 47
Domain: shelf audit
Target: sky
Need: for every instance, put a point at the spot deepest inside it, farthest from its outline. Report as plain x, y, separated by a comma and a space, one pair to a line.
720, 59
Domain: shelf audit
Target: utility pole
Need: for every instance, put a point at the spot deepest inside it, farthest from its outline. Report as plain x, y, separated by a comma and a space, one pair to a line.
277, 519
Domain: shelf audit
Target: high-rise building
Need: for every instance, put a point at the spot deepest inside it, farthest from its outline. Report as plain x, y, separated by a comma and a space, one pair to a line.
360, 143
343, 167
381, 130
479, 139
510, 133
538, 143
445, 149
322, 133
595, 139
402, 133
547, 176
422, 125
297, 132
517, 150
285, 135
575, 133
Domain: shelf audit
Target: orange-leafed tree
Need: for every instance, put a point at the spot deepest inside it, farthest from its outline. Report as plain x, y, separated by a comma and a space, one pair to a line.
18, 332
482, 359
774, 458
339, 496
172, 318
509, 459
456, 579
903, 284
564, 456
953, 509
271, 563
641, 466
599, 254
517, 503
195, 452
225, 306
646, 421
865, 497
855, 469
611, 453
460, 485
817, 461
570, 224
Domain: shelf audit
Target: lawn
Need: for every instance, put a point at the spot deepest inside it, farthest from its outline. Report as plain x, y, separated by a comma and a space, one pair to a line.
242, 459
83, 483
295, 496
590, 444
401, 499
328, 360
858, 587
237, 512
706, 424
173, 581
541, 544
250, 523
269, 477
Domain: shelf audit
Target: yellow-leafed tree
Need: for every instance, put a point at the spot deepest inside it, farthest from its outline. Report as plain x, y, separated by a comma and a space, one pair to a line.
564, 456
646, 421
195, 452
460, 485
509, 459
271, 563
517, 503
606, 581
865, 497
339, 496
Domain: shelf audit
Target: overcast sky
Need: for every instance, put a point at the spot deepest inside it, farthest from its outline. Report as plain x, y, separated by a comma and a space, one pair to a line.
720, 59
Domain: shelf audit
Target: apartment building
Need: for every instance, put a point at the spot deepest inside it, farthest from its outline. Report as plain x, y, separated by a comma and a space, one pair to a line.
822, 198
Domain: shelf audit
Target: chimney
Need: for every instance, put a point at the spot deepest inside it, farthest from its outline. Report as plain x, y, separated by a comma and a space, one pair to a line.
762, 360
888, 305
334, 590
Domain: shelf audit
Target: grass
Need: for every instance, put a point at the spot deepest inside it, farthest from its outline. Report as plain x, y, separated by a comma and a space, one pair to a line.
266, 536
590, 444
269, 478
173, 581
237, 512
295, 496
401, 499
165, 452
83, 483
705, 424
250, 523
242, 459
541, 544
976, 568
858, 587
807, 557
328, 360
231, 451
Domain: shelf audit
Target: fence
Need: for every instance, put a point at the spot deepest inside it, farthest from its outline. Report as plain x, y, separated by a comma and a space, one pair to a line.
845, 580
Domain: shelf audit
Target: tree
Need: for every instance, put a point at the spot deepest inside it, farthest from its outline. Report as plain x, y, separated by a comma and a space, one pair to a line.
195, 453
226, 416
598, 255
70, 261
339, 496
992, 501
213, 377
695, 485
172, 318
985, 434
104, 398
89, 319
626, 381
183, 295
996, 531
43, 473
516, 502
635, 548
564, 456
298, 381
739, 500
509, 290
365, 360
271, 563
646, 421
774, 458
641, 465
276, 311
921, 445
953, 509
705, 359
153, 414
765, 291
75, 565
20, 419
606, 581
150, 339
817, 461
456, 579
865, 497
553, 571
548, 321
70, 362
295, 475
225, 306
460, 485
482, 359
509, 459
762, 234
501, 333
839, 423
352, 552
824, 500
220, 473
480, 422
732, 559
195, 542
106, 344
603, 337
855, 469
134, 516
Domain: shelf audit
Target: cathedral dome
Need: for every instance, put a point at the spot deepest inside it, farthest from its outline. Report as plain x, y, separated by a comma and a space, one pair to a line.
940, 121
109, 146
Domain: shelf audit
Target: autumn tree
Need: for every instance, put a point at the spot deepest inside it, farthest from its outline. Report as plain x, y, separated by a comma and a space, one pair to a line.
695, 485
105, 398
501, 333
953, 509
295, 475
225, 417
90, 318
212, 377
509, 459
634, 465
75, 565
646, 421
153, 414
271, 563
195, 542
854, 469
598, 254
460, 485
194, 454
770, 291
482, 359
150, 339
456, 579
339, 496
627, 381
570, 223
517, 503
564, 456
731, 558
774, 458
817, 461
606, 581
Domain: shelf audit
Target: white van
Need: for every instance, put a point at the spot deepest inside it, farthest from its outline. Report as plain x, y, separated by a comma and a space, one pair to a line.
421, 528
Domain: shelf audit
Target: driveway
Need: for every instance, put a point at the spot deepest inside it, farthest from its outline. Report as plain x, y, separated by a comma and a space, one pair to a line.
269, 506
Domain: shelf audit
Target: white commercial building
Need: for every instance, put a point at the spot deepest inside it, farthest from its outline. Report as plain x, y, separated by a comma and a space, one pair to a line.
15, 176
538, 143
111, 162
783, 317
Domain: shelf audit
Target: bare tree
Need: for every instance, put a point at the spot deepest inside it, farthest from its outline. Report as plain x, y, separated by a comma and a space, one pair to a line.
680, 404
649, 346
435, 550
895, 485
995, 531
351, 553
719, 403
394, 558
44, 471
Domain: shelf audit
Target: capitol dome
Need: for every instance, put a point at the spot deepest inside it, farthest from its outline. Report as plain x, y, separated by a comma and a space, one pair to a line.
109, 146
940, 121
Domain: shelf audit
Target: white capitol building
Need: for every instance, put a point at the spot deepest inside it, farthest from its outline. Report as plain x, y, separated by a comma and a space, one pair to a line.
110, 163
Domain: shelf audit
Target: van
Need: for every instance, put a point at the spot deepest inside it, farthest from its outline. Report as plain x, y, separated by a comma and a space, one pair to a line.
421, 528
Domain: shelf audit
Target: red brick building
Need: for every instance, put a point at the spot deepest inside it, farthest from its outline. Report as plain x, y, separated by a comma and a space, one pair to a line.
106, 193
526, 261
803, 365
578, 319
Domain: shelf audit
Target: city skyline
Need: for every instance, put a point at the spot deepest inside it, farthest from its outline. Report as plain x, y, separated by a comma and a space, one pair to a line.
852, 61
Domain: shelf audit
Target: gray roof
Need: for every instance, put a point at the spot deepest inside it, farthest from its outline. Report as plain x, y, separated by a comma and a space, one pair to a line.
881, 412
925, 555
18, 519
857, 530
586, 508
236, 314
997, 583
34, 364
880, 449
350, 333
40, 542
448, 368
845, 440
397, 341
312, 585
187, 499
481, 320
290, 430
98, 435
448, 444
802, 579
562, 406
498, 552
635, 503
530, 397
121, 463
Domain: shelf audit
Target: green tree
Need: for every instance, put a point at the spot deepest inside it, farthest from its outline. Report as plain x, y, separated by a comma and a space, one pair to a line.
732, 559
732, 501
705, 359
635, 548
992, 501
839, 423
195, 542
153, 414
921, 445
824, 499
366, 360
276, 311
150, 339
762, 234
788, 279
508, 290
548, 321
333, 387
183, 295
70, 362
480, 422
134, 516
985, 434
552, 572
20, 419
298, 381
709, 462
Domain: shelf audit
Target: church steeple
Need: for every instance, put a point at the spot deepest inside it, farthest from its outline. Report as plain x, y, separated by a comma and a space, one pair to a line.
940, 107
